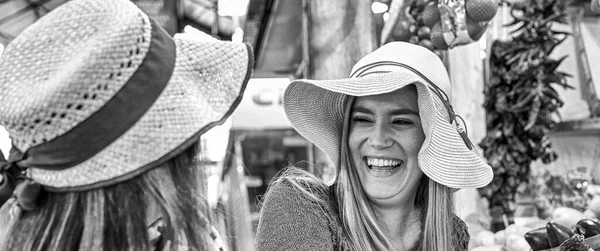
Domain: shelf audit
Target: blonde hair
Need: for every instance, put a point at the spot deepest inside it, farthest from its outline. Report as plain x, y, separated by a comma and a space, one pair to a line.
359, 221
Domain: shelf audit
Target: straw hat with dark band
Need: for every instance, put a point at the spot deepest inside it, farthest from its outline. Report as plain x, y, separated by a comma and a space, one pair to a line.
95, 93
316, 109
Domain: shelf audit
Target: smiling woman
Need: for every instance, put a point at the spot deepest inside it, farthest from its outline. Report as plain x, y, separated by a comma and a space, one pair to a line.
399, 153
384, 140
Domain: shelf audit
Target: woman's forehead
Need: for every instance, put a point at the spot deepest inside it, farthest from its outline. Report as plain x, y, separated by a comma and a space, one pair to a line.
404, 98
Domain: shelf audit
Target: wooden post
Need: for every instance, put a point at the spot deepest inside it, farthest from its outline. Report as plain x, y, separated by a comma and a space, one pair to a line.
466, 75
336, 34
339, 34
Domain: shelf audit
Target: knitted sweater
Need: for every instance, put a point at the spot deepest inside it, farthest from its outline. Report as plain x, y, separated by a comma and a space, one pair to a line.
291, 221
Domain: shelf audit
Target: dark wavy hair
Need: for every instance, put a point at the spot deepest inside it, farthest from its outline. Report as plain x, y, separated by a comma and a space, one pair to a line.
115, 217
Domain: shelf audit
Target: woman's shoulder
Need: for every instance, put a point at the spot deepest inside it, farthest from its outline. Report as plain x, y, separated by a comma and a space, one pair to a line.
295, 216
299, 186
461, 235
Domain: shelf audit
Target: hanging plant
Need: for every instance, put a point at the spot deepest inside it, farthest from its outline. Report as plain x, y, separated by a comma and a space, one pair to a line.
521, 100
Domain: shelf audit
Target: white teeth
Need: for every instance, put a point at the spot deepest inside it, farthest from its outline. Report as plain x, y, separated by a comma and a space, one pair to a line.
382, 162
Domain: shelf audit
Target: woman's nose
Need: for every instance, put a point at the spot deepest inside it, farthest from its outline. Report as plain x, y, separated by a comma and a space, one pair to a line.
379, 137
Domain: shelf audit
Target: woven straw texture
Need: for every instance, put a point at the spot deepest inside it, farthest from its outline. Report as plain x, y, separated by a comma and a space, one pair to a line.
315, 108
72, 61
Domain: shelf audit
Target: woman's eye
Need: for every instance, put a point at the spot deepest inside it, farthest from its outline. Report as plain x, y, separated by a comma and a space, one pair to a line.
402, 122
361, 119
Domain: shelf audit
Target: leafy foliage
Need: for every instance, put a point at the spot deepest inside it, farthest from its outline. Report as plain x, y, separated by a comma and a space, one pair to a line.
521, 99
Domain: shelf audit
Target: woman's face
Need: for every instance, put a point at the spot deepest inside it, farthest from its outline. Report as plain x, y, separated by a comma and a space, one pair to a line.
384, 140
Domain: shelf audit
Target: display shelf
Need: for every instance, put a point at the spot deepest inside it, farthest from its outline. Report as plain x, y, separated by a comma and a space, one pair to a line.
590, 126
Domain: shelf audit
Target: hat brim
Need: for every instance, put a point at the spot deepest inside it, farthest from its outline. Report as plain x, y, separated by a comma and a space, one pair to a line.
207, 84
316, 110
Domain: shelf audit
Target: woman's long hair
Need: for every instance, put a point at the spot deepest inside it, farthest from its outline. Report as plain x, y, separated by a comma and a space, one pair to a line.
115, 217
360, 222
361, 227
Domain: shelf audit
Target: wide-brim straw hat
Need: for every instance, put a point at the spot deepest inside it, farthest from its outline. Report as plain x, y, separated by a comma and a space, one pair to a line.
316, 110
95, 92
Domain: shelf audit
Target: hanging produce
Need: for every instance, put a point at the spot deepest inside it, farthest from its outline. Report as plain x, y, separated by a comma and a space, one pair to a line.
595, 6
438, 24
521, 99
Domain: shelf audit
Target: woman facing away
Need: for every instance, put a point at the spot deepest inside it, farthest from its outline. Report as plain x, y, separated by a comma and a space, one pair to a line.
399, 154
105, 111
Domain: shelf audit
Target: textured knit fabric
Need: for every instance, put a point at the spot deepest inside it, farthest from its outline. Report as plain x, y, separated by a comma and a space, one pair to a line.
291, 221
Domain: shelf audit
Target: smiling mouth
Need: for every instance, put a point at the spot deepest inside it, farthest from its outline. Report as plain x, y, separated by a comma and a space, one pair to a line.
382, 165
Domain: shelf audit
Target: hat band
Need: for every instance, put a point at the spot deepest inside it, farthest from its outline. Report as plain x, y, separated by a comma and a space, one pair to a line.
113, 119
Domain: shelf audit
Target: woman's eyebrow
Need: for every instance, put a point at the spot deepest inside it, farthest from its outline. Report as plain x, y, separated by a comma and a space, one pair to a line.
361, 109
401, 111
404, 111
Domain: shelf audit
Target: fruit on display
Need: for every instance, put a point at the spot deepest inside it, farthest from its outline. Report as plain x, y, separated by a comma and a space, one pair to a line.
557, 234
422, 35
518, 230
488, 248
423, 32
510, 239
594, 206
425, 22
551, 192
401, 31
476, 29
500, 237
437, 38
587, 228
589, 214
427, 44
481, 10
558, 237
431, 14
516, 243
484, 238
538, 235
537, 239
566, 216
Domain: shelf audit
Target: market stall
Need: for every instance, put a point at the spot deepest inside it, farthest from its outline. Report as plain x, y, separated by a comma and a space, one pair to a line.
522, 74
542, 146
524, 80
